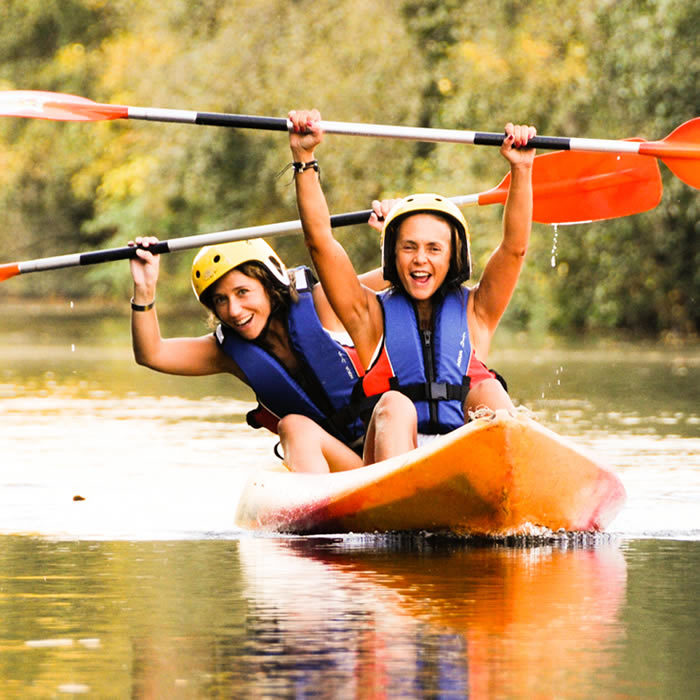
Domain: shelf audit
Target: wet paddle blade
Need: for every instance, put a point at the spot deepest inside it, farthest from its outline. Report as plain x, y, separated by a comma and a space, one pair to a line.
36, 104
571, 187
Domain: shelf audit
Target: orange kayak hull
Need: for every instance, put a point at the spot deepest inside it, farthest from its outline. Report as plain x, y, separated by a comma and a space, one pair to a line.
494, 476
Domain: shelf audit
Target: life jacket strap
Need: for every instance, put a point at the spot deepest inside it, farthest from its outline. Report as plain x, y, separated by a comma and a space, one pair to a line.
433, 391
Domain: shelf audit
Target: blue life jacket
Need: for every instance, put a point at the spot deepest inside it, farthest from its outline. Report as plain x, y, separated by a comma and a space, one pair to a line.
328, 372
429, 366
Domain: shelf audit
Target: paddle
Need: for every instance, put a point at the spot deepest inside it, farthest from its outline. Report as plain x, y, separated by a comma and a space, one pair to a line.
680, 150
567, 187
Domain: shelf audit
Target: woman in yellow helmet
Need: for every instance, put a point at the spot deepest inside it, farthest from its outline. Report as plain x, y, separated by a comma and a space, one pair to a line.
423, 342
272, 335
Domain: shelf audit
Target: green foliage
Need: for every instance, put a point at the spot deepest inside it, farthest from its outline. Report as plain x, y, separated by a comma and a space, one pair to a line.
643, 271
599, 69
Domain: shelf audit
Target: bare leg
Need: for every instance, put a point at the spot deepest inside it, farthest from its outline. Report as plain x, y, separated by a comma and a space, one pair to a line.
393, 428
488, 393
308, 447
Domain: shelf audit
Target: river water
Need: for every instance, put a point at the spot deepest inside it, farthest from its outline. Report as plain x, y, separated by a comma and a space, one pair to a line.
122, 573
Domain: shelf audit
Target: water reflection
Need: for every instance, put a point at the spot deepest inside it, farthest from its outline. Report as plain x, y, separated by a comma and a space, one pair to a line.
434, 622
160, 457
312, 617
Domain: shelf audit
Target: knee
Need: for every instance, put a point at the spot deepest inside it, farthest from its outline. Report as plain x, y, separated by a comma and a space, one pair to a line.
395, 407
488, 394
293, 425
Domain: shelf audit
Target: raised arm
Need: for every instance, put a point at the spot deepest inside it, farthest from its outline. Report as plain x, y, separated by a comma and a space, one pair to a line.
491, 295
356, 306
374, 279
184, 356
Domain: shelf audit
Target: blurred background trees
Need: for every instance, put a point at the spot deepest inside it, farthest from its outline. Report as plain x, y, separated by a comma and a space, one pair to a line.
599, 69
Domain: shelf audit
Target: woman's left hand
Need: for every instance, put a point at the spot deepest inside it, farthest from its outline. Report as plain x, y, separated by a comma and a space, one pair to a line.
514, 148
379, 212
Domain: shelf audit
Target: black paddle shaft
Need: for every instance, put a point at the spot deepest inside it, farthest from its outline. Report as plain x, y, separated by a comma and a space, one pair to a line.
124, 253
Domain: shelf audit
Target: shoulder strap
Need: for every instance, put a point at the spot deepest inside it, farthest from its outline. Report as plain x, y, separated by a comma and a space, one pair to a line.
272, 384
327, 359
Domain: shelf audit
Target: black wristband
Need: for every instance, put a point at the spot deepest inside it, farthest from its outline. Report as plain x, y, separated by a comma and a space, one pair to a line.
142, 307
300, 167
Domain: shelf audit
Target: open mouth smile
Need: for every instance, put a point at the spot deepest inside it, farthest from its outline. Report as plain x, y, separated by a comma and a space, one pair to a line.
243, 322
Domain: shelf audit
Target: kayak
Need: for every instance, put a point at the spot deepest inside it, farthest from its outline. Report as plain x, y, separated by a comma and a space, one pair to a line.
496, 476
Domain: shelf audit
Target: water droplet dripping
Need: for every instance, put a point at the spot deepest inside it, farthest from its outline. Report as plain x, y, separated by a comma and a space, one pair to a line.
554, 244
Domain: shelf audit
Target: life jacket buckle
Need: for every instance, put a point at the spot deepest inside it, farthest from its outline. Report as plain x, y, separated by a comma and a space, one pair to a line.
437, 391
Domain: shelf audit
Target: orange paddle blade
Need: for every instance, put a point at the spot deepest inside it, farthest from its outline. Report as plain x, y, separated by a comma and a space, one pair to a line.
680, 151
8, 270
56, 106
573, 186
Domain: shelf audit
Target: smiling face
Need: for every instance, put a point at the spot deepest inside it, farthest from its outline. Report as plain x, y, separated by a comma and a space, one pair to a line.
241, 302
423, 248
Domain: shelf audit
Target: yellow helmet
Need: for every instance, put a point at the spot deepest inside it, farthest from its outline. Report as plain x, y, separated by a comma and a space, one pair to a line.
214, 261
460, 264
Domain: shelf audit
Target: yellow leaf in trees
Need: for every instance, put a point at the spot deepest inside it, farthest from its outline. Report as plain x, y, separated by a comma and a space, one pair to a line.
483, 57
11, 162
129, 52
534, 49
71, 56
444, 86
127, 180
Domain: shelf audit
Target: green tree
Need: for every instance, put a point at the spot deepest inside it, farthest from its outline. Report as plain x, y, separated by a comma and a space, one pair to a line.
642, 273
599, 69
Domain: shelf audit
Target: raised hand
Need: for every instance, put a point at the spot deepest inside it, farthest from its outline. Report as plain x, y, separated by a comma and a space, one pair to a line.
514, 148
306, 133
144, 269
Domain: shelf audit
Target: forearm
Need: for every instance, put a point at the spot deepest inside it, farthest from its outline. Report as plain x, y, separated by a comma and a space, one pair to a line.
356, 307
313, 209
374, 279
146, 340
191, 357
145, 331
502, 270
329, 257
517, 214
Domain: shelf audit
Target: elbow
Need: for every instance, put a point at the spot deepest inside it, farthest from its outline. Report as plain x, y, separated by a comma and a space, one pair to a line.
516, 251
316, 238
321, 248
312, 246
143, 359
520, 253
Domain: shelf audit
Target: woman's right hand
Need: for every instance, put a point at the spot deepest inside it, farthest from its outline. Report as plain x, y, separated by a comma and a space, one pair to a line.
144, 270
306, 133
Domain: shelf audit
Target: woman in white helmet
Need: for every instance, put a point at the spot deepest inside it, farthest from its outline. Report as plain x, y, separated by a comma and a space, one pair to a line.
272, 335
423, 342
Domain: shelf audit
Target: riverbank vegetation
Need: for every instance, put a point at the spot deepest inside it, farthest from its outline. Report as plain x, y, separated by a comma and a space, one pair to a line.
600, 69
